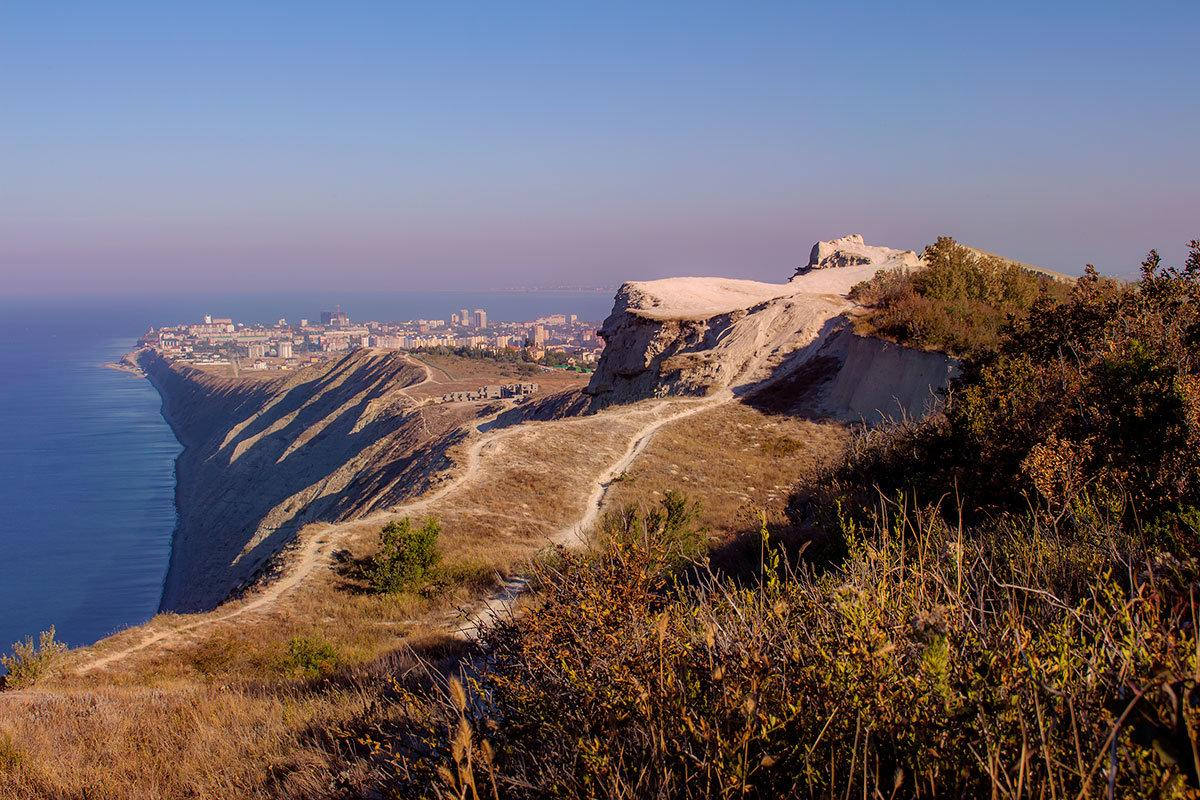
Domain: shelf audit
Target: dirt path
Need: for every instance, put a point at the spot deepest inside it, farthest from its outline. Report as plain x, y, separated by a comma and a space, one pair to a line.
314, 551
500, 603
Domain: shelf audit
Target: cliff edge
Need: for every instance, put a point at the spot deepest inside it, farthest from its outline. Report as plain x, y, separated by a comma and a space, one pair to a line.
697, 336
263, 458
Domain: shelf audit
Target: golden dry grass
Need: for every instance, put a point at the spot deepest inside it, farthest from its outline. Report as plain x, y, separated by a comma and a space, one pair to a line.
459, 374
198, 741
735, 460
225, 691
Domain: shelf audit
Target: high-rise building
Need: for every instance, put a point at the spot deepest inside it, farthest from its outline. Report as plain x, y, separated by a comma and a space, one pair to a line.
464, 316
335, 319
454, 319
285, 349
480, 318
537, 336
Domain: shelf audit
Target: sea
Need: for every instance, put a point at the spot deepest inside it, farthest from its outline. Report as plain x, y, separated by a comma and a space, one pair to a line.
87, 482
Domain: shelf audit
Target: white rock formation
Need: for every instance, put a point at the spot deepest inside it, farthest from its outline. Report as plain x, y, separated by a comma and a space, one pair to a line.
695, 336
851, 251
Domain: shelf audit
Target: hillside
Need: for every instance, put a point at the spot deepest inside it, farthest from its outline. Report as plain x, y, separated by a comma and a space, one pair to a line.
732, 390
262, 459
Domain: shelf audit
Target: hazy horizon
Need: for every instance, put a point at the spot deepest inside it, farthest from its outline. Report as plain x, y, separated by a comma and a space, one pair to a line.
309, 146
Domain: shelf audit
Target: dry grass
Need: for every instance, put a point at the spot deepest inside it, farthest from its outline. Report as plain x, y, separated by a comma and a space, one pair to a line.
216, 711
459, 374
199, 741
735, 460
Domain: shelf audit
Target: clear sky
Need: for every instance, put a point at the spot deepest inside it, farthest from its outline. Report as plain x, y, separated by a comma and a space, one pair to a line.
177, 145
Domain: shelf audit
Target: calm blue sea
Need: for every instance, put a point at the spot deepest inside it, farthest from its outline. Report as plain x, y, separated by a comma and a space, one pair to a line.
87, 463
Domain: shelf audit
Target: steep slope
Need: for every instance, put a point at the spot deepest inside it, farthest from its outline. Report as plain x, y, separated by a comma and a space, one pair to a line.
263, 458
697, 336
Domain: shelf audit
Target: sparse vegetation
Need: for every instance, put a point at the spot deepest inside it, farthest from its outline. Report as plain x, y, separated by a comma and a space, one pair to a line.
995, 601
406, 554
28, 662
1009, 610
310, 656
958, 303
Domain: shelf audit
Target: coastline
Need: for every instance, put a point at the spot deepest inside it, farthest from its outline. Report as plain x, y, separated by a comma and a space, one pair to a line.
128, 363
262, 459
132, 364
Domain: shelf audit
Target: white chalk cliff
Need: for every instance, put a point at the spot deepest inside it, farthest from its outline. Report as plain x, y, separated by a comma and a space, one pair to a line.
696, 336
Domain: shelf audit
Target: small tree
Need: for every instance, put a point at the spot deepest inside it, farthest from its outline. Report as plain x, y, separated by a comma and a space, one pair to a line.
30, 661
405, 555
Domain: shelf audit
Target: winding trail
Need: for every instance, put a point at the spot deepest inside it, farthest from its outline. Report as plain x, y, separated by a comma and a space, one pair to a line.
500, 602
316, 551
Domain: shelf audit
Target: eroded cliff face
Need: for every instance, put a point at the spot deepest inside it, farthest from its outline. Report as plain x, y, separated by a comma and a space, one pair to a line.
654, 356
696, 336
263, 458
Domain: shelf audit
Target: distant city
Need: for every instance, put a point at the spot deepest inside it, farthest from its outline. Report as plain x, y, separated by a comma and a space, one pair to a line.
558, 340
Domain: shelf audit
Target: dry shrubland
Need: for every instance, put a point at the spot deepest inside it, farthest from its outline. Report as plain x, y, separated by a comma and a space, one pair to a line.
958, 303
1001, 603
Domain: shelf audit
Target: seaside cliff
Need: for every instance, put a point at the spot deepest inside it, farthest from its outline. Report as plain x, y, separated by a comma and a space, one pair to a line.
790, 344
263, 458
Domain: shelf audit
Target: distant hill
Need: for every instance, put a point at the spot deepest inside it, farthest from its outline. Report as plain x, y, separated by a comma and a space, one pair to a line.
1062, 277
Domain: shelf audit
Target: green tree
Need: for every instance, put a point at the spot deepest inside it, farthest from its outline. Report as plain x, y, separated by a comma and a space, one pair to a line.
405, 555
29, 662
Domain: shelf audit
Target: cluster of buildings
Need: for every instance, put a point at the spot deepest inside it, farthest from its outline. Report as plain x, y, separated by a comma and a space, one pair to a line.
516, 390
560, 339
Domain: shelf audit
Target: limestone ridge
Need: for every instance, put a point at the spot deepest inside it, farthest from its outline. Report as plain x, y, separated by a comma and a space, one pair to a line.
261, 459
697, 336
851, 250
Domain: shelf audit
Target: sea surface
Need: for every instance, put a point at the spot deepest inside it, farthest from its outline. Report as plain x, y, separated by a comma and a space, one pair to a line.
87, 462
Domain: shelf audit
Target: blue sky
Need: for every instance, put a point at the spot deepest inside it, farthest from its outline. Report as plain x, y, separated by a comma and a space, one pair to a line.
394, 145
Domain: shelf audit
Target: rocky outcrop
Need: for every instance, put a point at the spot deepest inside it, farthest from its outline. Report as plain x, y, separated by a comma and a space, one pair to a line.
646, 356
696, 336
851, 251
263, 458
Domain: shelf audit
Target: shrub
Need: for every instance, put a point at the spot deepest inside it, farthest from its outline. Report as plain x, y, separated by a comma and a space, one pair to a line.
1011, 610
11, 756
1093, 398
310, 656
405, 555
959, 302
672, 527
934, 661
29, 662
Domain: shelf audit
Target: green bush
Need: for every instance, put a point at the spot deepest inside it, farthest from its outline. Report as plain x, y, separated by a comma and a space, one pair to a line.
941, 662
673, 526
959, 302
29, 662
1091, 398
405, 556
310, 656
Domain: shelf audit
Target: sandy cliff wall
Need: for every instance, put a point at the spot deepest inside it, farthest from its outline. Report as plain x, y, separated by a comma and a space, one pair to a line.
647, 356
263, 458
874, 379
788, 343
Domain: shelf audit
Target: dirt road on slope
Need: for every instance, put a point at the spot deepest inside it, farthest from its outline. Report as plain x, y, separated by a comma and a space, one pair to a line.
315, 551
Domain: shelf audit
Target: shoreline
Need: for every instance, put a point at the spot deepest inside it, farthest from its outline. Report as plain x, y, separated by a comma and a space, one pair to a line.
134, 366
